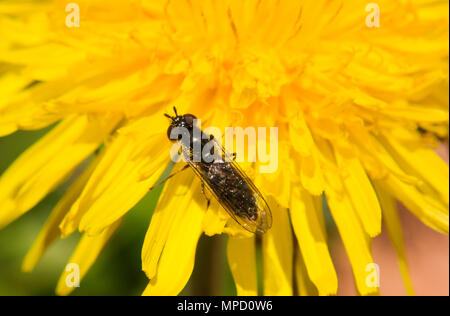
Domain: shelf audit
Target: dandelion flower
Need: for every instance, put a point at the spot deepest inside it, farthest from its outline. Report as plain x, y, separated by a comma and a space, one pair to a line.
359, 112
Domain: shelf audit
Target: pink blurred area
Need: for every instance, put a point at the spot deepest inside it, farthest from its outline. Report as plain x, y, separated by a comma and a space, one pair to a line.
427, 255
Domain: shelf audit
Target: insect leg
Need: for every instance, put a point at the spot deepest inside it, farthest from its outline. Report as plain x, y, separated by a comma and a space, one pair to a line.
208, 201
172, 175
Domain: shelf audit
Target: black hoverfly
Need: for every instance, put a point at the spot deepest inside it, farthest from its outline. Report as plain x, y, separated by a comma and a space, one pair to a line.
226, 181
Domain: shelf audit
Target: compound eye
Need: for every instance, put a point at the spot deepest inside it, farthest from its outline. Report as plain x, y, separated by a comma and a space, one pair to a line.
169, 131
176, 136
189, 119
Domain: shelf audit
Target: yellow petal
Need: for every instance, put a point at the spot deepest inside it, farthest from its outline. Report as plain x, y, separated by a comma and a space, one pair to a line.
311, 174
116, 184
361, 193
86, 253
10, 84
354, 237
300, 136
278, 250
174, 198
394, 228
305, 287
430, 213
24, 114
423, 162
276, 183
375, 150
215, 219
307, 222
48, 162
241, 259
416, 113
50, 232
177, 259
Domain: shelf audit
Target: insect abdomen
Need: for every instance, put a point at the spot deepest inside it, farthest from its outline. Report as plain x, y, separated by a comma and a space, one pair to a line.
228, 185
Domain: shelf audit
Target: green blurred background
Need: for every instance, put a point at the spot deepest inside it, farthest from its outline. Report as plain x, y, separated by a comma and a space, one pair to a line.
117, 270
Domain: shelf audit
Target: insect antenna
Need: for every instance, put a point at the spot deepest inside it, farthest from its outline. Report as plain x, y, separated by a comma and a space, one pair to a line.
168, 116
175, 110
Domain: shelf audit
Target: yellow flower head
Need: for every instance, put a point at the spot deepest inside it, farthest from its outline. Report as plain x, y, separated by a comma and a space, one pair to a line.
359, 108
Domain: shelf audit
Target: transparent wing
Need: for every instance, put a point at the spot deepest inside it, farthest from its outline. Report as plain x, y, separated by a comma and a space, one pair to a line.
263, 221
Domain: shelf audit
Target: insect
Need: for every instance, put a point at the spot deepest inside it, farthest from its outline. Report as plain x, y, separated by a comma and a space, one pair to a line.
226, 181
